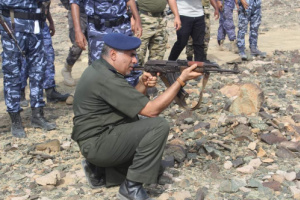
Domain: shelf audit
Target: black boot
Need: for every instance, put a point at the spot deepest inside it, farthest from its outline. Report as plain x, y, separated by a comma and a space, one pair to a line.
54, 96
23, 101
94, 175
130, 190
17, 129
38, 120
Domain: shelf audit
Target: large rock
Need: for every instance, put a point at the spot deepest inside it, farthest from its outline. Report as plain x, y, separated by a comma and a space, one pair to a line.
249, 98
52, 145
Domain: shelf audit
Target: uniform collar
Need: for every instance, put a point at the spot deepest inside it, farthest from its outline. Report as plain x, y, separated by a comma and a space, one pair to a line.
110, 67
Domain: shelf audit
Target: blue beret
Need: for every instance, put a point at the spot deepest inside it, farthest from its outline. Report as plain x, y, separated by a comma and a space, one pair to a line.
121, 41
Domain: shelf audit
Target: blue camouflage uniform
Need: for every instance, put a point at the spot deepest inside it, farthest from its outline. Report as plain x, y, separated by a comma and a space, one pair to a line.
226, 24
106, 10
32, 44
252, 15
49, 81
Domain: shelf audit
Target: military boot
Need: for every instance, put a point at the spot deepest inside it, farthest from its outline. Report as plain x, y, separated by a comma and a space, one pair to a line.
221, 45
243, 55
38, 120
234, 48
66, 73
23, 101
130, 190
17, 129
256, 52
54, 96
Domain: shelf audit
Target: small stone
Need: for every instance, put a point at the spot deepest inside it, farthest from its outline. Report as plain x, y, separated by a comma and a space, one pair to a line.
271, 138
50, 179
246, 169
290, 176
53, 145
252, 146
261, 152
274, 185
279, 178
255, 163
182, 195
238, 162
227, 164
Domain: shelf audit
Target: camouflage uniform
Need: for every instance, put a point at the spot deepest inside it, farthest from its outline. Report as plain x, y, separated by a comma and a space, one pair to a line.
154, 35
32, 45
252, 15
189, 46
106, 10
226, 25
48, 81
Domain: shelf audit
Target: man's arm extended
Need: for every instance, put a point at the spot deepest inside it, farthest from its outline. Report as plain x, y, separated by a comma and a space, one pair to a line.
137, 25
155, 107
79, 36
173, 7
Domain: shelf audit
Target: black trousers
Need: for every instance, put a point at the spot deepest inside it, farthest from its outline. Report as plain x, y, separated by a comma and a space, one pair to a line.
194, 27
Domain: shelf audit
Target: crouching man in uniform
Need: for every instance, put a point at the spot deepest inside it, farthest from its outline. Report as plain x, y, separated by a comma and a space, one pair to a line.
118, 147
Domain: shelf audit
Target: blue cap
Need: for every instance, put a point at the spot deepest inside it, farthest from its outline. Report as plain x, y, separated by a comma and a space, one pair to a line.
121, 41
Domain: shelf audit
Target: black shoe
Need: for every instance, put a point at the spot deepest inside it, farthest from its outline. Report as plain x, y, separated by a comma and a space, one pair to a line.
38, 120
95, 176
23, 101
54, 96
130, 190
17, 129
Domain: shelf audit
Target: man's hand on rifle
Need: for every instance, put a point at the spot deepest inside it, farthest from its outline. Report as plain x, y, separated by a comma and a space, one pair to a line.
189, 74
148, 80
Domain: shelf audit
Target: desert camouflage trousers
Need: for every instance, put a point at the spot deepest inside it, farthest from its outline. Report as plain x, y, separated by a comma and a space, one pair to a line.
154, 38
33, 46
189, 47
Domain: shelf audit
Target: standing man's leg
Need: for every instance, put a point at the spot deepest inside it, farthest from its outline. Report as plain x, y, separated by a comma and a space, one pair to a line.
24, 77
221, 31
11, 68
207, 32
149, 25
75, 51
183, 35
157, 44
255, 21
36, 62
198, 33
229, 27
49, 82
243, 26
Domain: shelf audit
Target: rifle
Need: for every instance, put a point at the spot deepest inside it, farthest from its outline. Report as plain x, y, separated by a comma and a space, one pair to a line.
170, 70
10, 33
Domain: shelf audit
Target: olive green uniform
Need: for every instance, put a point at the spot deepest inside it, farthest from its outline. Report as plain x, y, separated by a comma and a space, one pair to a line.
154, 35
107, 128
189, 46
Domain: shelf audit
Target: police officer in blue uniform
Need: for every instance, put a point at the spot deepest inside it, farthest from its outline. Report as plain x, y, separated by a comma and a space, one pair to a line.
49, 85
105, 16
249, 11
25, 19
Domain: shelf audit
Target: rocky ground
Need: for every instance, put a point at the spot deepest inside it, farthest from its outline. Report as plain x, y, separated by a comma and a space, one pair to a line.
243, 142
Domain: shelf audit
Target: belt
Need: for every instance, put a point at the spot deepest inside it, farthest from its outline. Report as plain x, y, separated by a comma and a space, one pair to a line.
151, 14
107, 23
24, 15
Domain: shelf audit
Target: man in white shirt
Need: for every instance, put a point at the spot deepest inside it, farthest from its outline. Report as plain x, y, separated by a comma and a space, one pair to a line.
193, 24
